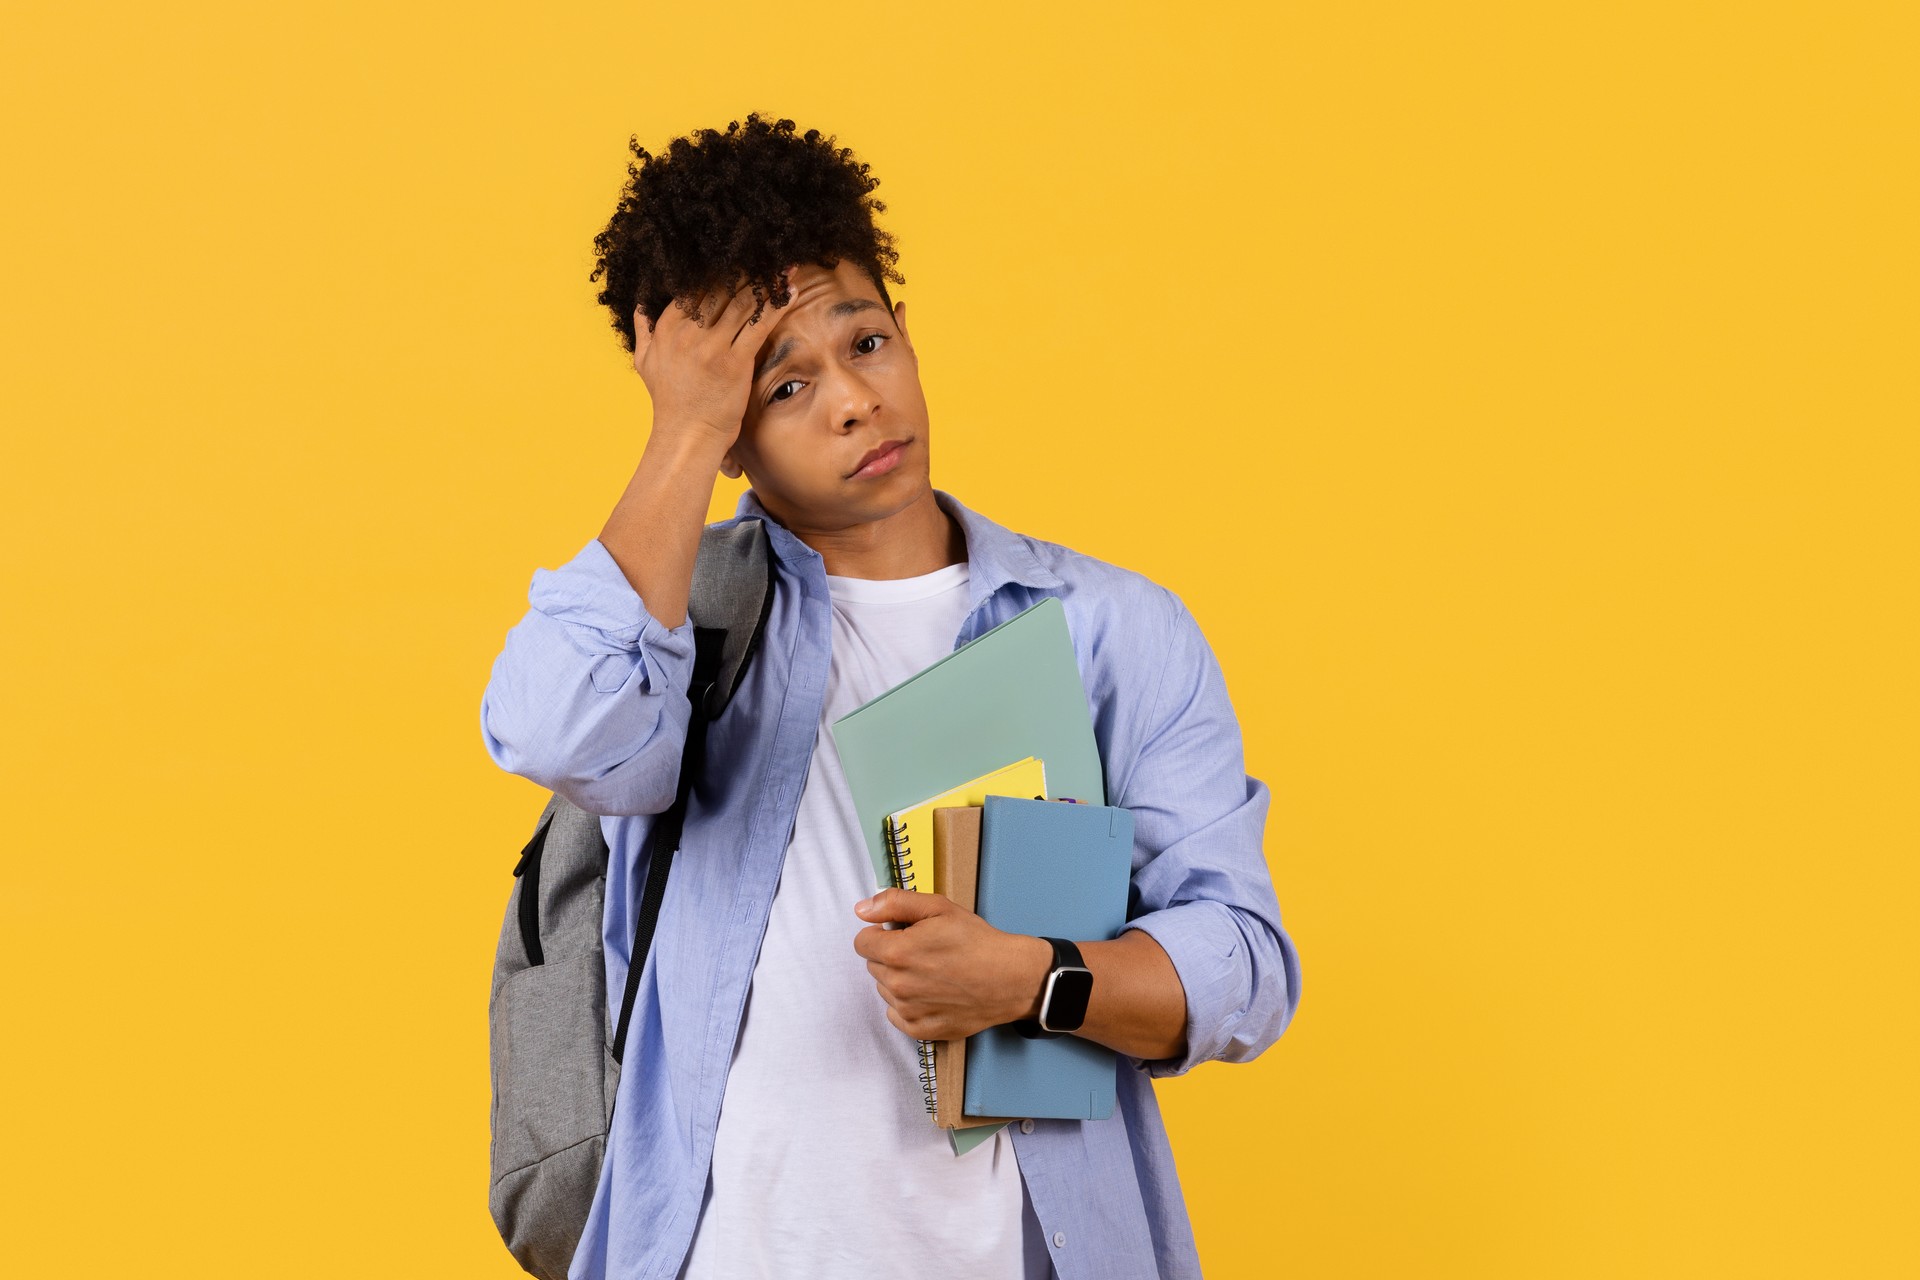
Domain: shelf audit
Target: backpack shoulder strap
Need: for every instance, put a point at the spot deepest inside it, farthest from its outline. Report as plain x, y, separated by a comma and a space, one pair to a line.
731, 597
732, 594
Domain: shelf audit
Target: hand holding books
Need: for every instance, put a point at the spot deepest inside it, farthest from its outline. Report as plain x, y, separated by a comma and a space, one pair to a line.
951, 973
960, 984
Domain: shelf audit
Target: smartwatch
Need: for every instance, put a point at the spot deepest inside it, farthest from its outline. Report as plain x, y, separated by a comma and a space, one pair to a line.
1063, 996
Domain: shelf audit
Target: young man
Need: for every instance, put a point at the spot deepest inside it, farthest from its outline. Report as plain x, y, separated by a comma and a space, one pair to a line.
769, 1119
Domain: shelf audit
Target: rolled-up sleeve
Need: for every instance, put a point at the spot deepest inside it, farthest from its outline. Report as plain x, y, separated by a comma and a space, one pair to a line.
588, 697
1201, 885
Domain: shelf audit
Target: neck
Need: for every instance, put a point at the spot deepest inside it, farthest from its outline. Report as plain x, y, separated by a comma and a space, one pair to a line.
917, 539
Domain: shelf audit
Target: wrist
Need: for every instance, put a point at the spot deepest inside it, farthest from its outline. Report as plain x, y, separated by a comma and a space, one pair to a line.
1065, 994
1033, 961
681, 442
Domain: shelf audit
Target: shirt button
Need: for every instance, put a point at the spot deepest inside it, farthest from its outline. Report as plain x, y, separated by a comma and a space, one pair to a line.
1059, 1239
1026, 1126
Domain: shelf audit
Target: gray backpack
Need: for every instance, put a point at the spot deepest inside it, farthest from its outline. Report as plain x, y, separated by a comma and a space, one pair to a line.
555, 1063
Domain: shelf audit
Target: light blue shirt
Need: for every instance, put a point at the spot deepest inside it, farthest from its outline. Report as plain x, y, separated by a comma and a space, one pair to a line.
589, 699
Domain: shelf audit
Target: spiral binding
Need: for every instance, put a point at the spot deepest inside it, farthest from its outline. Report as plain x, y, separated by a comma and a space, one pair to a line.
901, 856
927, 1089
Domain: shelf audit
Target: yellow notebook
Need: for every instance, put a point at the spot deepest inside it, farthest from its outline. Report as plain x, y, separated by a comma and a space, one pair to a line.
909, 833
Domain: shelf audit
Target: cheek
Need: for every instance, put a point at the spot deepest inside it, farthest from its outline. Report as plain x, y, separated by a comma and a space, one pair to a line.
898, 383
781, 449
763, 436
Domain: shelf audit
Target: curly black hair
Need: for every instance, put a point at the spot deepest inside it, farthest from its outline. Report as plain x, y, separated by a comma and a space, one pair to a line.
751, 201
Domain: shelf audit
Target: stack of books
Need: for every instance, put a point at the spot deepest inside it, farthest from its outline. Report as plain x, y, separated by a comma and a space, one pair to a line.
953, 773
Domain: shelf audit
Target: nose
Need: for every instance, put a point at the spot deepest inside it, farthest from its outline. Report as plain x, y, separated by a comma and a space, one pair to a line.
853, 398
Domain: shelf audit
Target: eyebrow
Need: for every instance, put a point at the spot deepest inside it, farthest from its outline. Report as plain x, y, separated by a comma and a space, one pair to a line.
839, 310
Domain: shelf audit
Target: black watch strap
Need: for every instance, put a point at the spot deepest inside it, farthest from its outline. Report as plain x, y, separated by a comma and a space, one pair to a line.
1065, 955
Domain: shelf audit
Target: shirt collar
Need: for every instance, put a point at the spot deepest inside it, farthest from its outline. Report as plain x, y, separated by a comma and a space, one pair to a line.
996, 555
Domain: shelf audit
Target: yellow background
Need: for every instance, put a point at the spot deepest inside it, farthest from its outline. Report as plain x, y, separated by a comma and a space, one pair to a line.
1522, 396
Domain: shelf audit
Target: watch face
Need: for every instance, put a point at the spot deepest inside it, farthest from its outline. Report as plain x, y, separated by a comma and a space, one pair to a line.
1066, 1005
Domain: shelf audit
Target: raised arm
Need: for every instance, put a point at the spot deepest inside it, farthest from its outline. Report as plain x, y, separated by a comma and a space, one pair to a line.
588, 697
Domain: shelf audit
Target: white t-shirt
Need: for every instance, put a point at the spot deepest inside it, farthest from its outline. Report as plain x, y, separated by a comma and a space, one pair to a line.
826, 1163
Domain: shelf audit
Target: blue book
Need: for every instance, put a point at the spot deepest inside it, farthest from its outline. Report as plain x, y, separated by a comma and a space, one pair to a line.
1055, 871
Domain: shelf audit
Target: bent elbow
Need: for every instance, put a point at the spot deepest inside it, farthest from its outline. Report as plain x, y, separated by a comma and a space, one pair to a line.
606, 744
1273, 990
616, 795
644, 782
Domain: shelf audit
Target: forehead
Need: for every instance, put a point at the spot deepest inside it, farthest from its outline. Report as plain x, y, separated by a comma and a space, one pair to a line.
844, 278
821, 298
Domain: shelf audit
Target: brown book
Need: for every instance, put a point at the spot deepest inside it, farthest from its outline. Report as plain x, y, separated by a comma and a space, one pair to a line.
956, 870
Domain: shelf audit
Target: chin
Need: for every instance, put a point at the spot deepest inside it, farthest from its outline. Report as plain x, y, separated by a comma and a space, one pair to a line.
879, 500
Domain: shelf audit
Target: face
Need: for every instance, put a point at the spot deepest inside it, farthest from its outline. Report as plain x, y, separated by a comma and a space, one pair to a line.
835, 378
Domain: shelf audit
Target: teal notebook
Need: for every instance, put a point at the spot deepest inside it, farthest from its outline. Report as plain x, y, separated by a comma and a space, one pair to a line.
1014, 691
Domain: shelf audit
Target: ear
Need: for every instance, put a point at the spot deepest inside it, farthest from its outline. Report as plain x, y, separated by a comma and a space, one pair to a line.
728, 467
642, 335
900, 323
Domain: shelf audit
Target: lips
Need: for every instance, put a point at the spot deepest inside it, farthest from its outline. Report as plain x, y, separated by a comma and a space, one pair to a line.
879, 450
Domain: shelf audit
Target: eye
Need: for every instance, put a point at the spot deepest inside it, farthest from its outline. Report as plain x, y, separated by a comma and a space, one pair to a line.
776, 397
871, 337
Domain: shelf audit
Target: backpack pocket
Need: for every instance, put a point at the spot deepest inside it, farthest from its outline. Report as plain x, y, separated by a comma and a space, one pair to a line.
549, 1060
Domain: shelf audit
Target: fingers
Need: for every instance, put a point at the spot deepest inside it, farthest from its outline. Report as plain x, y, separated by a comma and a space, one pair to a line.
900, 904
743, 322
705, 308
688, 324
698, 363
874, 943
732, 305
909, 1003
727, 307
890, 947
922, 1026
696, 308
740, 314
902, 990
